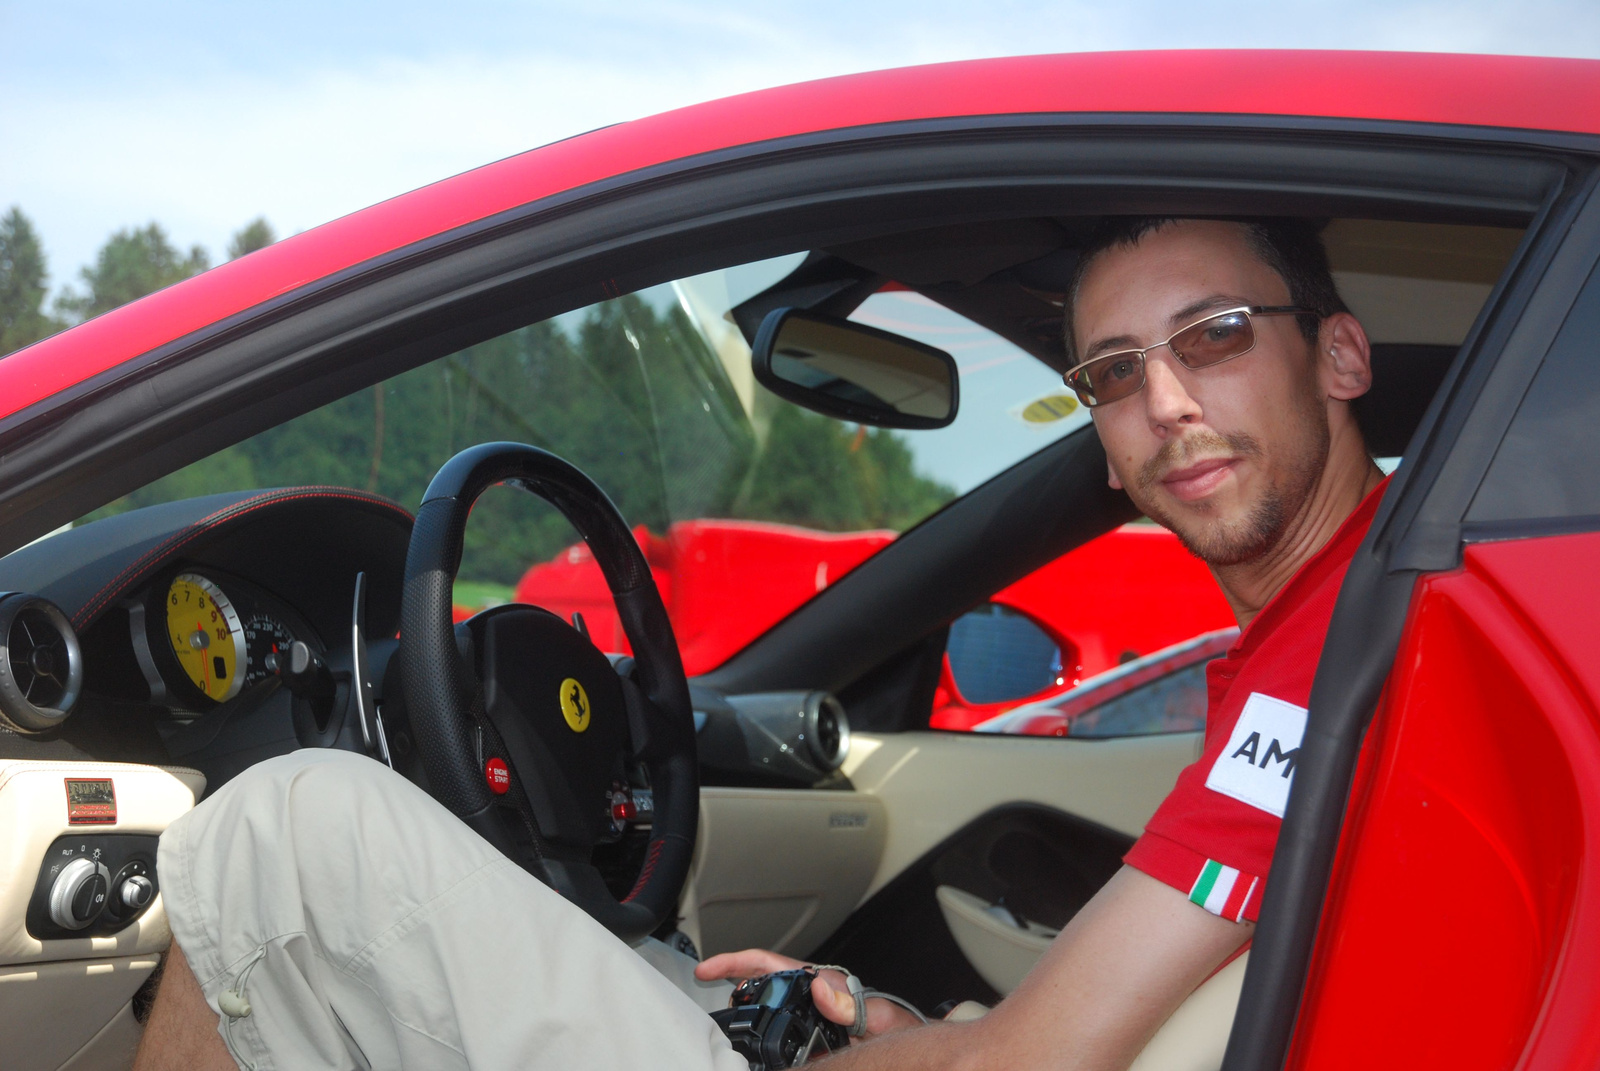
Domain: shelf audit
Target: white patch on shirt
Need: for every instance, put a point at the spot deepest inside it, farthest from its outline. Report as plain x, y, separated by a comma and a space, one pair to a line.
1257, 764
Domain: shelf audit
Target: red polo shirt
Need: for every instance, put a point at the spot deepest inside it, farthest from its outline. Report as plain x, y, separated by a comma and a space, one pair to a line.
1213, 837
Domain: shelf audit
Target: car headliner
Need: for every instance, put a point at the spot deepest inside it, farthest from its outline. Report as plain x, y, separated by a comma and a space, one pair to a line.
1483, 91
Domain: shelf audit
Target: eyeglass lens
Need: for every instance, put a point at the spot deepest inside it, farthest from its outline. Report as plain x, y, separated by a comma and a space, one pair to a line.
1215, 340
1117, 375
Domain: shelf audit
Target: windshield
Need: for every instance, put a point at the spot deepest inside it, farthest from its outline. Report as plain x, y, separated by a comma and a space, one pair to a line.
745, 504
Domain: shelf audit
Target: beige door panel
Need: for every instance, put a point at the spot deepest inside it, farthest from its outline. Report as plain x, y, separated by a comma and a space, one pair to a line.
52, 1011
779, 868
999, 950
931, 784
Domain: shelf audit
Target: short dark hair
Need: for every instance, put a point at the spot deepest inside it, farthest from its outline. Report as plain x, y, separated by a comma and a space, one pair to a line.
1291, 247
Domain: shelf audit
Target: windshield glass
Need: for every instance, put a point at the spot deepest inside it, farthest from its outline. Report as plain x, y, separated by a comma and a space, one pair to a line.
745, 504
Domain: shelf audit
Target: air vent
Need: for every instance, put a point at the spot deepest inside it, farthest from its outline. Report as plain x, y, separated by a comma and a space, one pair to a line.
41, 666
799, 737
827, 730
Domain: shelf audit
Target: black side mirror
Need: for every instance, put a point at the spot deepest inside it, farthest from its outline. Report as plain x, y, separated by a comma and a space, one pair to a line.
854, 372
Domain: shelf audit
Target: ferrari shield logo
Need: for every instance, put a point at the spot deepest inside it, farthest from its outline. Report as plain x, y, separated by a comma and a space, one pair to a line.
574, 705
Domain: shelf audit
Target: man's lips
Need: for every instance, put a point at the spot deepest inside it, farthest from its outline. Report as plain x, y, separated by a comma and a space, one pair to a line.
1198, 480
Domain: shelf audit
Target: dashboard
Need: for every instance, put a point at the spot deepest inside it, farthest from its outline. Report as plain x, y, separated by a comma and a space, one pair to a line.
187, 613
186, 642
190, 615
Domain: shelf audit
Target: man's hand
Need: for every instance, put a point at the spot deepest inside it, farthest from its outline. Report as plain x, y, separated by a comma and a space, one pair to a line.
829, 991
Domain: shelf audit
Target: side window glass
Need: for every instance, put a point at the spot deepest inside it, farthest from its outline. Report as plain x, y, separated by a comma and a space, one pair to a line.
1164, 692
1171, 703
1536, 472
997, 653
745, 505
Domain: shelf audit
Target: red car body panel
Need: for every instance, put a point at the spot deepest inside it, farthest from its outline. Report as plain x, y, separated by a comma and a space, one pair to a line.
725, 582
1126, 594
1101, 612
1490, 91
1462, 924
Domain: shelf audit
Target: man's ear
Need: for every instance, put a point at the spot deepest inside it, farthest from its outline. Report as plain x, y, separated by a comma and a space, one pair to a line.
1111, 476
1344, 357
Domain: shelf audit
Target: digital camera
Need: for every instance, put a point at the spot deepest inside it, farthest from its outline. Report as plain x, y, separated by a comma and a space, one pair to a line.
772, 1021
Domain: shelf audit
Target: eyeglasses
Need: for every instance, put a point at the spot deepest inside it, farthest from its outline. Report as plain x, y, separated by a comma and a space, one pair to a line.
1222, 336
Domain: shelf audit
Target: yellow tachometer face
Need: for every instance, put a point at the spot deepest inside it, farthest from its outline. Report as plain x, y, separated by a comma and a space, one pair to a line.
206, 636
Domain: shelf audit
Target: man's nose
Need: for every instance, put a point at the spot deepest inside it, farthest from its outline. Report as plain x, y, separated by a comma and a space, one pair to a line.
1167, 401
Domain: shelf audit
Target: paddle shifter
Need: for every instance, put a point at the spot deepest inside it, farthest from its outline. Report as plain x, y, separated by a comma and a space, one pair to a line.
361, 679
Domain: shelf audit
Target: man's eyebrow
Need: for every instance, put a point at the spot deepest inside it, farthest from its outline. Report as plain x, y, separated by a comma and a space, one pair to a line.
1182, 318
1186, 315
1105, 345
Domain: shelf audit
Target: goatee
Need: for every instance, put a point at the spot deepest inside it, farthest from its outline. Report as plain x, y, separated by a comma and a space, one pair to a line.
1233, 543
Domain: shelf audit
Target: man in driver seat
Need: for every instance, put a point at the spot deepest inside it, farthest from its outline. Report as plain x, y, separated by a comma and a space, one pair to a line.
327, 913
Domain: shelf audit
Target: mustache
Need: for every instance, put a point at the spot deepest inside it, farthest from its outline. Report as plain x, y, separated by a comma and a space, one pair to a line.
1187, 449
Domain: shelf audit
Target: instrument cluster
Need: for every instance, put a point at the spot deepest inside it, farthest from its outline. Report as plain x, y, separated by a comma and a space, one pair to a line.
202, 637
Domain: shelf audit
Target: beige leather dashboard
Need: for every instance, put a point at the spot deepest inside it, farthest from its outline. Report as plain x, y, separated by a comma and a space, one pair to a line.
64, 1001
779, 868
33, 813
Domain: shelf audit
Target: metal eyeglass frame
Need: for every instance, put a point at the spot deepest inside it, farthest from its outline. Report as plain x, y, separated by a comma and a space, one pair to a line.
1248, 310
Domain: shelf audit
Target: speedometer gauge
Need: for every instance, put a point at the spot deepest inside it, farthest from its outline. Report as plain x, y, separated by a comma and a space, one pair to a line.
206, 636
267, 639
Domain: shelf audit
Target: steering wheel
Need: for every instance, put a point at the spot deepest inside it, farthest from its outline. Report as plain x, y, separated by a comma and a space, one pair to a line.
543, 704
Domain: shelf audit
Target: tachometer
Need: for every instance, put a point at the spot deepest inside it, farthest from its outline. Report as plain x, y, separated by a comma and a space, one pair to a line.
206, 636
267, 639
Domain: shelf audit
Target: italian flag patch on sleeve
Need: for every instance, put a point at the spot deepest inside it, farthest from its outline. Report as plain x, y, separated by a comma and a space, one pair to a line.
1223, 891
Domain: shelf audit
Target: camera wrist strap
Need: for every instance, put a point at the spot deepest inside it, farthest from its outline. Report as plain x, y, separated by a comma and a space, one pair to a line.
861, 994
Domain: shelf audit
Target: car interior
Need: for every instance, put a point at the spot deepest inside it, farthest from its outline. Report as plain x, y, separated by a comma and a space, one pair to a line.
833, 823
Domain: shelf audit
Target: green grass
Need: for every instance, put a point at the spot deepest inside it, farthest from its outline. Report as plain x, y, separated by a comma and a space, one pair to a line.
481, 593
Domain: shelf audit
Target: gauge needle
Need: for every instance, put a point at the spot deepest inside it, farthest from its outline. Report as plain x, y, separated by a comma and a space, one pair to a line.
205, 666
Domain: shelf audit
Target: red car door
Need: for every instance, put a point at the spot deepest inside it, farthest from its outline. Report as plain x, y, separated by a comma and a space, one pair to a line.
1464, 909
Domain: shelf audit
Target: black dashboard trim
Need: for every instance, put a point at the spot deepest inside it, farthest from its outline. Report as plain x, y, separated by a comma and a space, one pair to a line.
147, 564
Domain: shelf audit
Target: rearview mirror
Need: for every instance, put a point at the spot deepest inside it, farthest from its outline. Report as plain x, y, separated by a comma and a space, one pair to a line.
855, 372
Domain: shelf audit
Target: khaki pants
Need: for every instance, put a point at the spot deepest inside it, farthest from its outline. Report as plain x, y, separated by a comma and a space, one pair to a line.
366, 926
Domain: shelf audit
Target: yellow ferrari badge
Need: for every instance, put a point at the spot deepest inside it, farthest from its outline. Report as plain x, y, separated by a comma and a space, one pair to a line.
574, 705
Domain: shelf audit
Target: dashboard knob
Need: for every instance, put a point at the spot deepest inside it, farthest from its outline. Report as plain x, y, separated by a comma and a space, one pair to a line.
78, 894
136, 892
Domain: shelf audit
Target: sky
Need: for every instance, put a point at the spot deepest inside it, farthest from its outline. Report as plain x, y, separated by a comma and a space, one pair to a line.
205, 115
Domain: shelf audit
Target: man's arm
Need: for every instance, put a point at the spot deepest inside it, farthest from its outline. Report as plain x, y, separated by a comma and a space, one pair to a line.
1107, 983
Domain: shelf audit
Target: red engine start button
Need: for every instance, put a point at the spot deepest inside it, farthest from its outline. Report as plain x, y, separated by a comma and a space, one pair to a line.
498, 775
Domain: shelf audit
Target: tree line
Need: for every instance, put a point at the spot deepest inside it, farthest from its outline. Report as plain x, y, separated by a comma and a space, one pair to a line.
627, 390
133, 262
